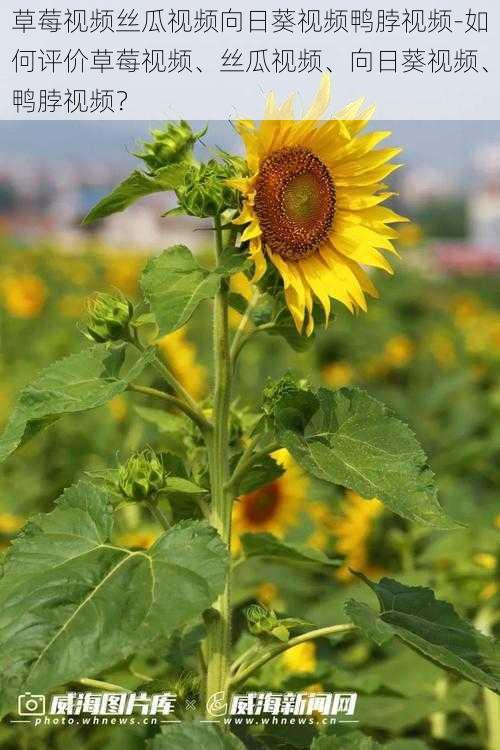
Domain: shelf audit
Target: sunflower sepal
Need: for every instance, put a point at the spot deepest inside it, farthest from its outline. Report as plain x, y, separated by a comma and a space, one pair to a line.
265, 624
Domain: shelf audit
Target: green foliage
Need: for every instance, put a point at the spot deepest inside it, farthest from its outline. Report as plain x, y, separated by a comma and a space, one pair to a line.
191, 735
174, 284
269, 547
137, 185
72, 385
65, 583
348, 438
263, 471
430, 626
359, 741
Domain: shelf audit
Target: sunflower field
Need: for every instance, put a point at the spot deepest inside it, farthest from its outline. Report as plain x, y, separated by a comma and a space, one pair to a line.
354, 568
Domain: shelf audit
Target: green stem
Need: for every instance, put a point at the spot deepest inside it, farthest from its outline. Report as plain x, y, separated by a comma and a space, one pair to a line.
248, 458
243, 339
158, 514
106, 686
242, 675
194, 414
239, 336
219, 617
190, 405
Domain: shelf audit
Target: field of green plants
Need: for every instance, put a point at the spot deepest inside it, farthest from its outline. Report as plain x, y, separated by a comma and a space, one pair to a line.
430, 350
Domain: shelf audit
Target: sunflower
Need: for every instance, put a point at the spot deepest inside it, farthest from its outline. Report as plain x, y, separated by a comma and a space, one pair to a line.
312, 203
354, 531
300, 659
180, 354
24, 296
274, 507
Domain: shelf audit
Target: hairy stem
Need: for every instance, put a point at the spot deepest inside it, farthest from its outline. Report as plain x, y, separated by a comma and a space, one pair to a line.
194, 414
219, 618
190, 405
158, 514
239, 336
243, 673
248, 458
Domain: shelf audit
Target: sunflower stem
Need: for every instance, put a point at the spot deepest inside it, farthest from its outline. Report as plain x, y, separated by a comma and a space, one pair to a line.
195, 415
242, 673
248, 458
218, 642
239, 336
158, 514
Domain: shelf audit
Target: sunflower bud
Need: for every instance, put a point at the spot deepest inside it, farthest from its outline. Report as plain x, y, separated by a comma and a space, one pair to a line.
142, 476
275, 390
172, 145
205, 191
260, 620
109, 316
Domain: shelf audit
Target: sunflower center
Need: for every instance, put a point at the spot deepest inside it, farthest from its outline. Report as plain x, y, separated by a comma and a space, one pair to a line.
260, 506
294, 202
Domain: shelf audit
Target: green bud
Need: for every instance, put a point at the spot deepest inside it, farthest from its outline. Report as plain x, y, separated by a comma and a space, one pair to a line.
109, 317
275, 389
205, 191
172, 145
142, 476
260, 621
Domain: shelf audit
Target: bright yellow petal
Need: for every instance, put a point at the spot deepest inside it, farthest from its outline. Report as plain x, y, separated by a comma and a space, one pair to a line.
258, 258
252, 230
321, 101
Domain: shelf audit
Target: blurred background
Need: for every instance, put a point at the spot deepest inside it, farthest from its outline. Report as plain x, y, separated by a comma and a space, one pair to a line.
429, 348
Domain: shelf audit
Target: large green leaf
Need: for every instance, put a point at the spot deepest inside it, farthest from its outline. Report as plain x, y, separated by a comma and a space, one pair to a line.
72, 385
73, 604
137, 185
174, 283
190, 735
354, 441
430, 626
268, 546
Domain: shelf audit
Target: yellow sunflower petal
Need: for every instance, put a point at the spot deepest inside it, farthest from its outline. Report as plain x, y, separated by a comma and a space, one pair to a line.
258, 259
321, 101
253, 230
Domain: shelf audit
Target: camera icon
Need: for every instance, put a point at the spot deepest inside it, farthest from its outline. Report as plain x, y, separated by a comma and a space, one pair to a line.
30, 705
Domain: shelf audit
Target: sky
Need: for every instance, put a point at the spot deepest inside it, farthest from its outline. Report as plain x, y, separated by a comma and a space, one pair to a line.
447, 145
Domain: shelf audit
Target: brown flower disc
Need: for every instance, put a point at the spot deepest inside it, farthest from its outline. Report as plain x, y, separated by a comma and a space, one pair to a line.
294, 202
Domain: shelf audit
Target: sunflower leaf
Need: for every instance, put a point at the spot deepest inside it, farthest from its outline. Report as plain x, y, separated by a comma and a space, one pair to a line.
71, 385
431, 627
285, 328
174, 284
137, 185
262, 472
64, 588
190, 734
353, 440
268, 546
